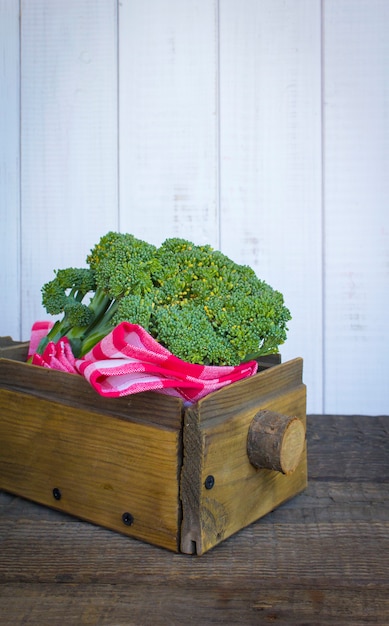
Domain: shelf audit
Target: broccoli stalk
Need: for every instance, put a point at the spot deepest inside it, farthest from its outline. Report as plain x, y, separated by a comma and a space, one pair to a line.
66, 294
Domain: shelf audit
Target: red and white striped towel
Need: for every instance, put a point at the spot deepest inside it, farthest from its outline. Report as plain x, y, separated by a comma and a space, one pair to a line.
128, 360
38, 331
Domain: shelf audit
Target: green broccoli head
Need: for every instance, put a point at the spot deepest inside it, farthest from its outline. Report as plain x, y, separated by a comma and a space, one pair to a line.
77, 313
122, 264
80, 280
53, 297
201, 288
64, 294
187, 332
196, 301
180, 270
254, 324
135, 309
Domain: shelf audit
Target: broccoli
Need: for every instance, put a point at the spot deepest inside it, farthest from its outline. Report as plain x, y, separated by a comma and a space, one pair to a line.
122, 265
117, 267
194, 300
189, 334
66, 294
208, 309
136, 309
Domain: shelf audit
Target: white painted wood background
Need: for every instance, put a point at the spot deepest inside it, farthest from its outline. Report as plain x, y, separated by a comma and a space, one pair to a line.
259, 126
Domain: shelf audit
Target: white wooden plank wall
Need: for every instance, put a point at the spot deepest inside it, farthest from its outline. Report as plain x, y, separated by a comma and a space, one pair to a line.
10, 308
168, 119
259, 126
271, 158
356, 120
68, 137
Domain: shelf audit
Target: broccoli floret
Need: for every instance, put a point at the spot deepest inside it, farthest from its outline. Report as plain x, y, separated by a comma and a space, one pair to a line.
118, 266
66, 294
214, 310
122, 267
135, 309
196, 301
254, 324
183, 271
69, 286
187, 332
122, 264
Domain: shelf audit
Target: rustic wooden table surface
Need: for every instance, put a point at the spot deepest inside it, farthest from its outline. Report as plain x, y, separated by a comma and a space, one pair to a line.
321, 558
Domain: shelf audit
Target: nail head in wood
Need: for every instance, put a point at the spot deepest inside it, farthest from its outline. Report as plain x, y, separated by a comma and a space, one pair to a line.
127, 519
275, 441
209, 482
57, 493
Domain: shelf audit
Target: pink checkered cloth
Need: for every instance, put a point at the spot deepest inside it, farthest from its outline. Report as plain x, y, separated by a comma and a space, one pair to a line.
128, 360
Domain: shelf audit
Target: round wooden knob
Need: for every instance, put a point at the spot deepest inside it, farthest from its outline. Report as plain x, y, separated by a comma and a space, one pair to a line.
275, 441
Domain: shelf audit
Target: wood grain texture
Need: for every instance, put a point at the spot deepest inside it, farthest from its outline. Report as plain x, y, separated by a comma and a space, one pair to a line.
97, 458
275, 441
321, 558
76, 392
101, 453
94, 466
215, 449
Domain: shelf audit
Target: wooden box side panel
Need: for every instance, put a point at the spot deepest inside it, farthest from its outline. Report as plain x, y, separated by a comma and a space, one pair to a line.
239, 493
223, 404
102, 467
16, 350
73, 390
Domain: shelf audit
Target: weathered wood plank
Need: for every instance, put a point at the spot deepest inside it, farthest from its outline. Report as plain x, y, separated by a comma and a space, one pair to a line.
320, 559
314, 553
215, 448
357, 445
149, 407
311, 556
92, 465
142, 604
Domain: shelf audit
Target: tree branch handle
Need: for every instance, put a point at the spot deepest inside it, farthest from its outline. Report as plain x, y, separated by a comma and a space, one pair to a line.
275, 441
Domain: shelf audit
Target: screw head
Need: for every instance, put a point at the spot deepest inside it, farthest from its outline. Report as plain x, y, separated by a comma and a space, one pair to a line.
127, 519
56, 493
209, 482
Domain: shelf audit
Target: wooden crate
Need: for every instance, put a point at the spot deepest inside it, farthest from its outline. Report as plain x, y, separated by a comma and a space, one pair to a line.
183, 478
